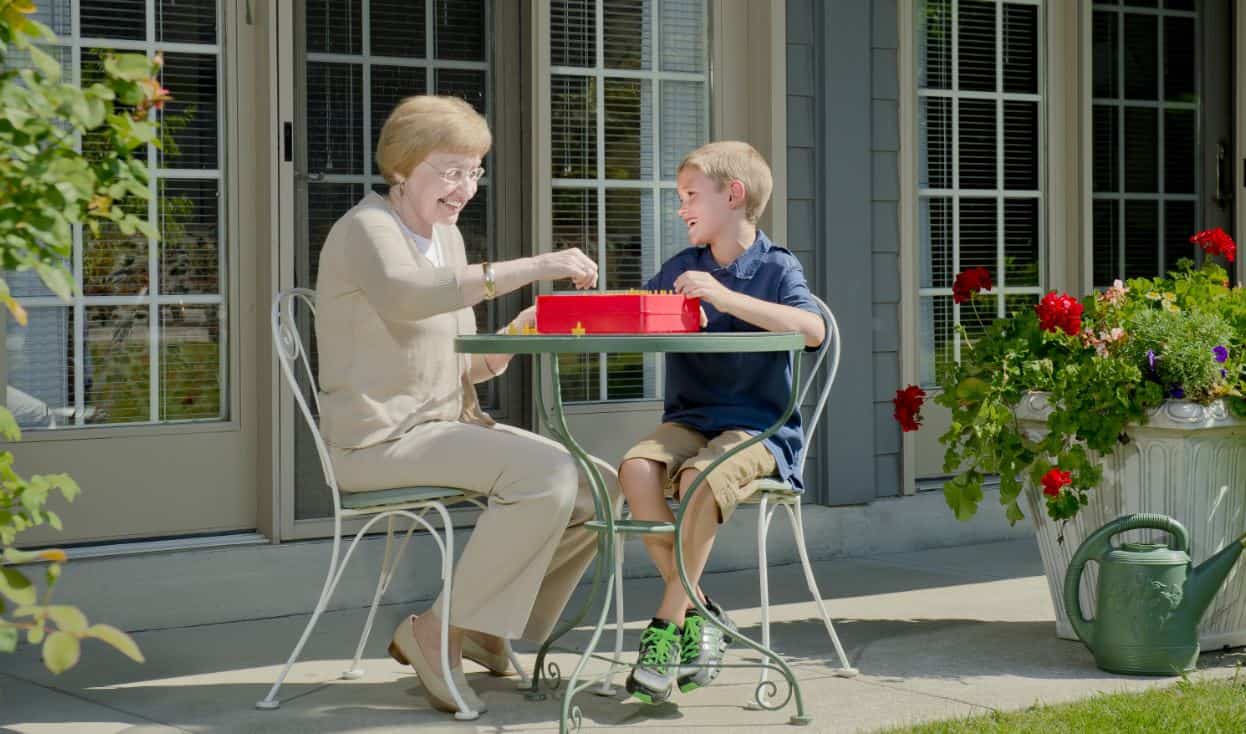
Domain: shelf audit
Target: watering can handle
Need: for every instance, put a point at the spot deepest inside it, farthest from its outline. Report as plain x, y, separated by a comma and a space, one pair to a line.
1096, 546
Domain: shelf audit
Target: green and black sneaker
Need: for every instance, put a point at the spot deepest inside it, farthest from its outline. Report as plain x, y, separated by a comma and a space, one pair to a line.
653, 677
701, 654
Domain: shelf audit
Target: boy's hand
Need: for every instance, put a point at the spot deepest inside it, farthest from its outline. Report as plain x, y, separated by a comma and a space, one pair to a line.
700, 284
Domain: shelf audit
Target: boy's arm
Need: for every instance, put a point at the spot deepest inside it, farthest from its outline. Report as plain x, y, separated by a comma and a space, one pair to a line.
759, 313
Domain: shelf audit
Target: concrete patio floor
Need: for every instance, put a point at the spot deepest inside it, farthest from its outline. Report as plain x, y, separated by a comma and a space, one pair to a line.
936, 634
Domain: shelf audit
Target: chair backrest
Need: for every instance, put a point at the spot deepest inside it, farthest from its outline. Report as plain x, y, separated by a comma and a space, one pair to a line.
827, 360
295, 360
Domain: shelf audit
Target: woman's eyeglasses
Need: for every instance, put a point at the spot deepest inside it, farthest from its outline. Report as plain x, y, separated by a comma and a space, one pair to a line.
458, 175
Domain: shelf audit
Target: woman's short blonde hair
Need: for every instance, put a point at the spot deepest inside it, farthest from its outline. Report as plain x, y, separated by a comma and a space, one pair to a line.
421, 125
728, 160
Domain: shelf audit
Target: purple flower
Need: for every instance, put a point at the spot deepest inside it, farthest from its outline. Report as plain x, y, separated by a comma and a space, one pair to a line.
1222, 354
1175, 391
1150, 360
1224, 372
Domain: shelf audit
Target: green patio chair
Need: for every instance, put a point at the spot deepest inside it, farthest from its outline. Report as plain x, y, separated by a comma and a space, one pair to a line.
770, 495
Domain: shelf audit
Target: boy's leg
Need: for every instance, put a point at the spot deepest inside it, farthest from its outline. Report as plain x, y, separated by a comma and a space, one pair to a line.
642, 481
714, 501
701, 521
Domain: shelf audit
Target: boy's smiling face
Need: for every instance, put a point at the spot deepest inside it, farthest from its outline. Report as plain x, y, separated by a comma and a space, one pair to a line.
706, 207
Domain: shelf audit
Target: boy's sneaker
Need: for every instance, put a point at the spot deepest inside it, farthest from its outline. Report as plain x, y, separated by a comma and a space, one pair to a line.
653, 677
703, 648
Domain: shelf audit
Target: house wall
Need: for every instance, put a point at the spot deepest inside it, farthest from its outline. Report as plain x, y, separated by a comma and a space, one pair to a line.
843, 200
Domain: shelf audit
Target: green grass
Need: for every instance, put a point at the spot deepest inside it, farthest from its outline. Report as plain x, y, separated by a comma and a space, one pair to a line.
1210, 706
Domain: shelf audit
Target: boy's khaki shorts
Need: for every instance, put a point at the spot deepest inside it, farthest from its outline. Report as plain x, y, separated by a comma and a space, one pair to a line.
679, 447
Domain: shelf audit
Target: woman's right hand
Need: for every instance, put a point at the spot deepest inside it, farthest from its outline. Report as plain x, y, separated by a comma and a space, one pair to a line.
569, 263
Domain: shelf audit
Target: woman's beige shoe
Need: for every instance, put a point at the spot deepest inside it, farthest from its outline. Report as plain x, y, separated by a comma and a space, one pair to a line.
404, 649
497, 663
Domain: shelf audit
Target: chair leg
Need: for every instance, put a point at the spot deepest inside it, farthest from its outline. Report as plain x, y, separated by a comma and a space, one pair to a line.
798, 526
607, 684
524, 680
354, 672
764, 516
330, 582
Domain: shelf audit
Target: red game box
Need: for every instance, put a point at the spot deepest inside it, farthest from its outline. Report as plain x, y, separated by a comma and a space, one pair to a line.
617, 313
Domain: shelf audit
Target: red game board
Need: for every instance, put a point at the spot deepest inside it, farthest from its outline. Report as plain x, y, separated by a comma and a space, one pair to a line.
617, 313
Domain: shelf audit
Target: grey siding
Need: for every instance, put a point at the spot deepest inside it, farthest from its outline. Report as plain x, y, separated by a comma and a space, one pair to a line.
843, 195
885, 239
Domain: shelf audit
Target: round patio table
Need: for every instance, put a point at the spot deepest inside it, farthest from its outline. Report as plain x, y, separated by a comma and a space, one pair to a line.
546, 347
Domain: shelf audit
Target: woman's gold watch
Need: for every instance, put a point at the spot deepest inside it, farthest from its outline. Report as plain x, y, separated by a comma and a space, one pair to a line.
490, 284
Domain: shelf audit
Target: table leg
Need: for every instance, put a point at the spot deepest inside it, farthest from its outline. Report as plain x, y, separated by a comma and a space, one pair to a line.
781, 666
603, 575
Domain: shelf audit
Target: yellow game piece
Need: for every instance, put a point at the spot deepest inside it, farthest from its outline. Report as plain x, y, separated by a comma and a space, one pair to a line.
530, 330
579, 329
512, 329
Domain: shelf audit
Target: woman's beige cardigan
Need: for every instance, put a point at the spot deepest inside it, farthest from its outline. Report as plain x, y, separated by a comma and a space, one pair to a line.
386, 323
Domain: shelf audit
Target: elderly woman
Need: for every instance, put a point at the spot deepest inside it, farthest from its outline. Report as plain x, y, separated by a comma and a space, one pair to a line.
398, 406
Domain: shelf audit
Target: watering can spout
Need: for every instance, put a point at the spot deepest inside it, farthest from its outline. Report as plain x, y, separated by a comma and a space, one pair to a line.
1207, 578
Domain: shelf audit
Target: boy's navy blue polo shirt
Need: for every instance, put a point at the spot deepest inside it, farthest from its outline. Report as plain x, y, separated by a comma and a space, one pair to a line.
712, 393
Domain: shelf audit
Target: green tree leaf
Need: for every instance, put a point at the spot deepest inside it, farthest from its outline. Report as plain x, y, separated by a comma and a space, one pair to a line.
50, 67
60, 652
118, 639
15, 586
67, 618
8, 638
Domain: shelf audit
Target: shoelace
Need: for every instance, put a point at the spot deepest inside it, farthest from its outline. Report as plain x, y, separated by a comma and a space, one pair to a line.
658, 644
692, 637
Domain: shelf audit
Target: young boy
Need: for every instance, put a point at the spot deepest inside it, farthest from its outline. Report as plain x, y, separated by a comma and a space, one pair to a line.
715, 402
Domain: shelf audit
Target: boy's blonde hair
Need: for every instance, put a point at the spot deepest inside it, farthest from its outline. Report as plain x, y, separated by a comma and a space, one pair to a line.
421, 125
728, 160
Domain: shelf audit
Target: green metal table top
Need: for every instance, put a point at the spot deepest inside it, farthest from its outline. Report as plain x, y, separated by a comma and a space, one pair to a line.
761, 341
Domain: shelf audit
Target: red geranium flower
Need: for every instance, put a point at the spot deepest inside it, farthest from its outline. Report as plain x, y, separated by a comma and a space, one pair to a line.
908, 402
1059, 311
1216, 242
1054, 479
969, 282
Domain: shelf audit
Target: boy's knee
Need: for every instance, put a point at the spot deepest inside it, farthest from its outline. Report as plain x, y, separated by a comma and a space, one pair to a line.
640, 477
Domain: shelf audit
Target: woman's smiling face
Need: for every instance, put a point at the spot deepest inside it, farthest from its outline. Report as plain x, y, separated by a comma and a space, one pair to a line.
428, 198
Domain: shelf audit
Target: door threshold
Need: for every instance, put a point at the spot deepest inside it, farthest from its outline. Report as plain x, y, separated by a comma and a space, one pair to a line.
164, 545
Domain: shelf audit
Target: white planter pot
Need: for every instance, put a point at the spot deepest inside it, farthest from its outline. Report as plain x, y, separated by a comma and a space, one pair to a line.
1187, 462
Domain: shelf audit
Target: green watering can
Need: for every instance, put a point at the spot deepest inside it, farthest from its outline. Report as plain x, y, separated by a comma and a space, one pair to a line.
1150, 598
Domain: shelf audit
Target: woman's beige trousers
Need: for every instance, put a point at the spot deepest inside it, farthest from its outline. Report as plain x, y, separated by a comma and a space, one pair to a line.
529, 548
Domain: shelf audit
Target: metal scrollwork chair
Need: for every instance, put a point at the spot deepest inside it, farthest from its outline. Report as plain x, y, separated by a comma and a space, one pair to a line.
411, 503
770, 495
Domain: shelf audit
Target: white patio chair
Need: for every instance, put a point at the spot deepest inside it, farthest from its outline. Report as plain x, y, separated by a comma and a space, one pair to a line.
411, 503
770, 495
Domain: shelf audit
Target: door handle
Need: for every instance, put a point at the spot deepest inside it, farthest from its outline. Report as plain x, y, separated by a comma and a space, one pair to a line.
1222, 196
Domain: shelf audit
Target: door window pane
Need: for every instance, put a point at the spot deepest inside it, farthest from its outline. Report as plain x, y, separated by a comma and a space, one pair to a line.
1146, 130
350, 81
614, 198
980, 168
160, 355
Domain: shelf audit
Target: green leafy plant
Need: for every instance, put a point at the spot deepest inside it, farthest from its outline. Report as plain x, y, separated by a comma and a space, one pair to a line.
1103, 362
49, 183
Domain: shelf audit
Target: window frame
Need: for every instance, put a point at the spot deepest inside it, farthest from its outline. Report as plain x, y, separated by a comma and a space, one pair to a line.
1000, 195
228, 229
1087, 101
655, 185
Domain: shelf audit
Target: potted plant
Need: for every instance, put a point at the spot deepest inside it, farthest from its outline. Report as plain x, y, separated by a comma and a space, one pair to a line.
1132, 399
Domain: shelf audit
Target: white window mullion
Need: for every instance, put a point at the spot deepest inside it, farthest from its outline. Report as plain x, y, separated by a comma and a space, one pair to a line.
79, 309
1000, 184
955, 169
599, 41
153, 249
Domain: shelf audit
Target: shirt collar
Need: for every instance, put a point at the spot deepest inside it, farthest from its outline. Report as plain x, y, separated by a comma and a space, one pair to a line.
745, 266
